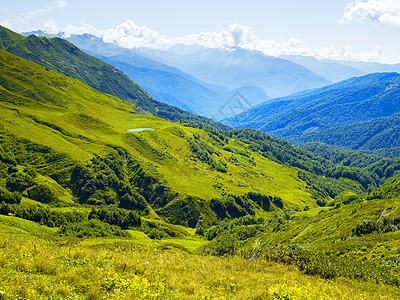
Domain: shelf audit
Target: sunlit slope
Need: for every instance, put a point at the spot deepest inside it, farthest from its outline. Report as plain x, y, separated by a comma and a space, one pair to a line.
72, 118
63, 57
330, 228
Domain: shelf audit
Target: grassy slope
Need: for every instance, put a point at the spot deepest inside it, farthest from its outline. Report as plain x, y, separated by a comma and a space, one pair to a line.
72, 118
327, 228
35, 267
61, 56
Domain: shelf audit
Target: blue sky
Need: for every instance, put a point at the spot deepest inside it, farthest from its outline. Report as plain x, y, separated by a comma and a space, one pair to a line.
337, 29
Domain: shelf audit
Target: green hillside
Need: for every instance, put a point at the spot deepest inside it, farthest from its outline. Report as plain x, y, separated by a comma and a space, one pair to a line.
98, 200
379, 136
63, 57
44, 110
360, 113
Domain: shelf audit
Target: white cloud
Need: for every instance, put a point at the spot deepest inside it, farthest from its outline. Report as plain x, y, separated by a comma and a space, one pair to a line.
5, 23
50, 26
297, 47
84, 28
386, 12
130, 35
236, 36
61, 3
347, 53
24, 18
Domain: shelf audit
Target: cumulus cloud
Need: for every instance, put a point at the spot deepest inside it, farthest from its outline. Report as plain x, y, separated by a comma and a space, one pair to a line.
236, 36
131, 35
51, 26
84, 28
297, 47
347, 53
386, 12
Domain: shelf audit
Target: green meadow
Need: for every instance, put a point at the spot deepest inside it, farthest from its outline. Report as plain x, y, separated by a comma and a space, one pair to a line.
36, 265
90, 210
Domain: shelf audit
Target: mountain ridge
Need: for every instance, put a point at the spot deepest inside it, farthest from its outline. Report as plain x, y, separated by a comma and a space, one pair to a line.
166, 84
188, 60
46, 110
69, 60
97, 200
240, 67
345, 114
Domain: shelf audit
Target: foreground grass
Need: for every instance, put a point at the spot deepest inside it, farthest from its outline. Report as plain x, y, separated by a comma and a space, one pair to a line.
34, 268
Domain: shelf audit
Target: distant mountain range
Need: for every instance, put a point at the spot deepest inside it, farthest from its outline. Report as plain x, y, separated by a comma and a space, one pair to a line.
238, 67
67, 59
202, 80
189, 94
198, 79
164, 83
358, 113
336, 71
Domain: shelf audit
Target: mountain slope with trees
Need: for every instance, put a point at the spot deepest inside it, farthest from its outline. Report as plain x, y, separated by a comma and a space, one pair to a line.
359, 113
53, 115
100, 200
379, 136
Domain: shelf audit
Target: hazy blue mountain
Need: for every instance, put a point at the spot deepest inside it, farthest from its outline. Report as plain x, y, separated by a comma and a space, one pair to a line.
191, 95
348, 102
239, 67
334, 71
372, 67
164, 83
172, 88
338, 70
63, 57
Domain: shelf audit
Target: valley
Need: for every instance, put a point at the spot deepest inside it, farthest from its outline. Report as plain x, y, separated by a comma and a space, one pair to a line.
109, 193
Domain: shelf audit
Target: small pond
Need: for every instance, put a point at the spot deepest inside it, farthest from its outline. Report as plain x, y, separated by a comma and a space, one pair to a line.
139, 129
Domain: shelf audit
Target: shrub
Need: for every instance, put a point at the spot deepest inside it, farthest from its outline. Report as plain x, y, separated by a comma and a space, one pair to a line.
9, 197
90, 228
155, 233
372, 227
19, 182
225, 246
116, 216
41, 215
42, 194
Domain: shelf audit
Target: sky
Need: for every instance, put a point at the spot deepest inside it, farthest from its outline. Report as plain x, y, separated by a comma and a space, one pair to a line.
366, 30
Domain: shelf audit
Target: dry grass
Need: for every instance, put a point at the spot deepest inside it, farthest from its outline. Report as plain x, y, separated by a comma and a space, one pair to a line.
43, 269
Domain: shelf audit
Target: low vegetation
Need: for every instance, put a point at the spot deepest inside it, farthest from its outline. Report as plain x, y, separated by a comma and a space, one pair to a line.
89, 210
34, 267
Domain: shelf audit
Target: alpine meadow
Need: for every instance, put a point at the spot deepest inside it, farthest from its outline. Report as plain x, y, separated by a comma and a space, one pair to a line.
128, 171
